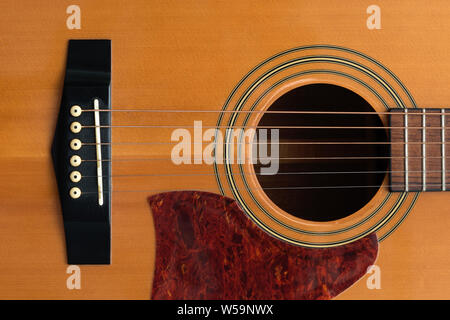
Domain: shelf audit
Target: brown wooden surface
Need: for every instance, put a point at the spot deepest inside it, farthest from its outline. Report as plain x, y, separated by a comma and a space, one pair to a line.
189, 54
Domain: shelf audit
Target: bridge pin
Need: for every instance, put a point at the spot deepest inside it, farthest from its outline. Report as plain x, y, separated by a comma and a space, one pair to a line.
75, 111
75, 193
75, 161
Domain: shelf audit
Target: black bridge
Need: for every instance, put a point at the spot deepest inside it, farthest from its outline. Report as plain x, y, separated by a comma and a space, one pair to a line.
80, 149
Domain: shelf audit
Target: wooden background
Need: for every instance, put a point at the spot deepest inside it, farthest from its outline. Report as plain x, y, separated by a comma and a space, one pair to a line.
191, 53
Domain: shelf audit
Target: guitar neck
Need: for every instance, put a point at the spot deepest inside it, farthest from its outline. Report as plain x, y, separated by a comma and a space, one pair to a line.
419, 155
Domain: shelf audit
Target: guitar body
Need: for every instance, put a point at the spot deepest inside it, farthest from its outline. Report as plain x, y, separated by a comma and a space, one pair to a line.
216, 56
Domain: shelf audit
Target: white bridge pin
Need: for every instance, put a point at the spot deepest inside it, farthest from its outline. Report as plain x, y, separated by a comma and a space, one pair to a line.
75, 176
75, 111
75, 161
75, 127
75, 144
75, 193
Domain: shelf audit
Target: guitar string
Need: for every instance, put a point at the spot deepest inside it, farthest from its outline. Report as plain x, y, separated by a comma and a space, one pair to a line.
410, 111
278, 158
279, 173
262, 127
262, 174
258, 127
263, 143
290, 127
273, 188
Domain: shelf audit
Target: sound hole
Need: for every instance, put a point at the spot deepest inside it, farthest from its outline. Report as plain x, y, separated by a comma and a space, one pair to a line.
330, 189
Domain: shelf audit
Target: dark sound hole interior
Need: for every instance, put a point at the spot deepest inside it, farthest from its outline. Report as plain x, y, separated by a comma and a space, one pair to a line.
321, 203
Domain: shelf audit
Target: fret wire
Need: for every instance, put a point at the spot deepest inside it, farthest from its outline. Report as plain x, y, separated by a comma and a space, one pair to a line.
443, 148
406, 150
424, 153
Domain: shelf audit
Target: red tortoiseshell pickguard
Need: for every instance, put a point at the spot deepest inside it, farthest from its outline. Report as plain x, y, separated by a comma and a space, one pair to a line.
207, 248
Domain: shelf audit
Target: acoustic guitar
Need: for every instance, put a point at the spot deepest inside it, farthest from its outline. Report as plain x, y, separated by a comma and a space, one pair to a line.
224, 150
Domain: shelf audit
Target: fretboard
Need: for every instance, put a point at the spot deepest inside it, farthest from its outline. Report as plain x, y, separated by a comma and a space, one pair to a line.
419, 157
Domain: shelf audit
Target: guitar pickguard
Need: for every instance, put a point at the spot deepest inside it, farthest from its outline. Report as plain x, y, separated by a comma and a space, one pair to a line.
206, 248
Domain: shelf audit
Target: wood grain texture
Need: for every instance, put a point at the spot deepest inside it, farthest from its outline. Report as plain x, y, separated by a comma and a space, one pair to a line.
189, 54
